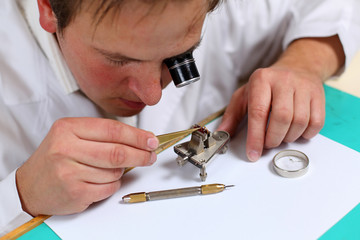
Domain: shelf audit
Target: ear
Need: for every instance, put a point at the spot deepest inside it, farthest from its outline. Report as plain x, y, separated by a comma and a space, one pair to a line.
48, 19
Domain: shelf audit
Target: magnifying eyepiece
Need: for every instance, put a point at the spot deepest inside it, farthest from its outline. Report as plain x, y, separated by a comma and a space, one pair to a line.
183, 69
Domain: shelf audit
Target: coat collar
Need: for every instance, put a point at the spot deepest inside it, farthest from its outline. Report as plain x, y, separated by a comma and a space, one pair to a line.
48, 45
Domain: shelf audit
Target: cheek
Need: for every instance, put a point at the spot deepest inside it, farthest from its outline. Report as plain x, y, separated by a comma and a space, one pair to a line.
100, 77
91, 73
165, 76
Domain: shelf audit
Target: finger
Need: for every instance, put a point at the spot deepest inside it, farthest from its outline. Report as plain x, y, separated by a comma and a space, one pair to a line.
301, 116
258, 111
103, 191
97, 192
106, 130
317, 115
81, 195
234, 112
90, 174
280, 117
110, 155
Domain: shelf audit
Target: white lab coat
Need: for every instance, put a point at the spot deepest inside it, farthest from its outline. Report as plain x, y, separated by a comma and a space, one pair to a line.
239, 37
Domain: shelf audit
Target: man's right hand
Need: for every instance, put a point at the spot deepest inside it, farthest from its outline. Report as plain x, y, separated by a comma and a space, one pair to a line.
81, 161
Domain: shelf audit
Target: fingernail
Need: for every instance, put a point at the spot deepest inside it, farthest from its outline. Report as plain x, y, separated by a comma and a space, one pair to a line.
152, 158
223, 125
253, 156
153, 143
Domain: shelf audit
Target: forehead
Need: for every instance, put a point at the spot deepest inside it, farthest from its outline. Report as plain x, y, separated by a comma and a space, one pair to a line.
102, 8
150, 28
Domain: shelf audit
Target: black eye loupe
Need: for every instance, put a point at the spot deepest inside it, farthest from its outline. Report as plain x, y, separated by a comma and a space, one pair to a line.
183, 69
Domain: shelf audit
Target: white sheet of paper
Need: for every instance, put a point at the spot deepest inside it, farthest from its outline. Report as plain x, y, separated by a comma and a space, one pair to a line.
262, 205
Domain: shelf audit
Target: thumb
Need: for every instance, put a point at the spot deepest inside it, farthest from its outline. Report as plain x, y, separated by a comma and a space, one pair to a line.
234, 112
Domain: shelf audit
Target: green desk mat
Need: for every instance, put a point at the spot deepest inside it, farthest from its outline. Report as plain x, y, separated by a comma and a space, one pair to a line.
342, 124
41, 232
347, 228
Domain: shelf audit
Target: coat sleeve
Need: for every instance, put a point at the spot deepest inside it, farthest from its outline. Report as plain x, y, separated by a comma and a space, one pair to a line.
12, 215
322, 18
12, 146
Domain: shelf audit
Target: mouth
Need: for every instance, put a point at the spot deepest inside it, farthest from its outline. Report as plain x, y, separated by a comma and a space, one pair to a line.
133, 105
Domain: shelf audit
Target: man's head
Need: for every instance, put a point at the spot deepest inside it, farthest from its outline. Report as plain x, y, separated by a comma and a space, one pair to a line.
116, 48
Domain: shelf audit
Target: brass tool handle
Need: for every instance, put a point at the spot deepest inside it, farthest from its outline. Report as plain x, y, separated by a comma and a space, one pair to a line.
212, 188
175, 193
184, 192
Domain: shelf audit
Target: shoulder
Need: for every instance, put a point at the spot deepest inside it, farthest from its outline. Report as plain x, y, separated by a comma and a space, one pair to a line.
22, 64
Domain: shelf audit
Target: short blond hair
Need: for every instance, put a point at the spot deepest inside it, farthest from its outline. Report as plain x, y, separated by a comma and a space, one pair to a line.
66, 10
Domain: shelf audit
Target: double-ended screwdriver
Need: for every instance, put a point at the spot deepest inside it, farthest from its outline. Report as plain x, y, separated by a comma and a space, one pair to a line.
175, 193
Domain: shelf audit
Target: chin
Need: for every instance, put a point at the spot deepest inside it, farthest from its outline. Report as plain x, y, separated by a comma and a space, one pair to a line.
125, 112
116, 109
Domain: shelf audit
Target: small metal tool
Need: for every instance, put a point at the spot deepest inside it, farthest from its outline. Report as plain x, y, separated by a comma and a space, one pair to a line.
175, 193
201, 148
165, 138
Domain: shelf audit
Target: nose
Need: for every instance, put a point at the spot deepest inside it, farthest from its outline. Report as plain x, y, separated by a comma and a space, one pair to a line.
146, 82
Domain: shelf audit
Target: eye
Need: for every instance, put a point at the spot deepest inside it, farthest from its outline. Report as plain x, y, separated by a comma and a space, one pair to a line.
117, 63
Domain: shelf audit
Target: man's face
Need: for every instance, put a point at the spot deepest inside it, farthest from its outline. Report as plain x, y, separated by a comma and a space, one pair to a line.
118, 64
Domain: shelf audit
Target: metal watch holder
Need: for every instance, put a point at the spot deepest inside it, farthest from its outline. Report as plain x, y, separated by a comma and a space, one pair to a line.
201, 148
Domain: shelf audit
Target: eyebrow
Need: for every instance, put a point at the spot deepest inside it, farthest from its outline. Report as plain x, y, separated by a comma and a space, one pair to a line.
116, 56
119, 56
196, 45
